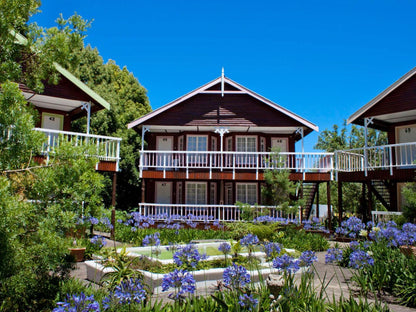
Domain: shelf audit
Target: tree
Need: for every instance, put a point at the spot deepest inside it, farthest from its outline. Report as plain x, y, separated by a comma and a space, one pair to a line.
344, 138
129, 101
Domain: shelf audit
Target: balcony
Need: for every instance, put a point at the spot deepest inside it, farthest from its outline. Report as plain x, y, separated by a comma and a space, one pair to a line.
234, 161
107, 148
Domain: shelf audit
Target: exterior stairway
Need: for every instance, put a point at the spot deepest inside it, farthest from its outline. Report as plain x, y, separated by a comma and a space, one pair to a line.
308, 194
381, 190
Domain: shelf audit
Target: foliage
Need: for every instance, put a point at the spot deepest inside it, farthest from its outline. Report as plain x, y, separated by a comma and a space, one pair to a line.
409, 208
300, 240
279, 190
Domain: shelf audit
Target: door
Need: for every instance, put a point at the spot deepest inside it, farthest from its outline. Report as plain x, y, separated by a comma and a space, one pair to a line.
163, 196
280, 144
164, 143
406, 154
52, 121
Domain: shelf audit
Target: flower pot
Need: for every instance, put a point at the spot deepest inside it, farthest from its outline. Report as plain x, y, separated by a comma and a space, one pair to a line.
77, 253
408, 250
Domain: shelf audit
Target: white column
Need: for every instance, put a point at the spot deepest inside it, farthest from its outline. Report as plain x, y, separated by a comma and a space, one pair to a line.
87, 107
222, 131
367, 121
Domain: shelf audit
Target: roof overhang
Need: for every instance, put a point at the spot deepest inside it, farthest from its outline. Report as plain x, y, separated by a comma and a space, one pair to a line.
382, 122
242, 90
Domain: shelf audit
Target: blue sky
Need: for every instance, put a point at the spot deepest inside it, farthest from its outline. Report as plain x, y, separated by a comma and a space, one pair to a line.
320, 59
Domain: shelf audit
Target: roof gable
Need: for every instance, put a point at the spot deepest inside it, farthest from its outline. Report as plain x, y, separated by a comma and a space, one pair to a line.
230, 87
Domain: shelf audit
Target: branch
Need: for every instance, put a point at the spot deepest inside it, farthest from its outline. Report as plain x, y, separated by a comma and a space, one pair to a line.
25, 169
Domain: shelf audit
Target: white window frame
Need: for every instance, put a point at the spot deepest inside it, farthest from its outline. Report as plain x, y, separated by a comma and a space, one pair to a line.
237, 185
197, 136
179, 192
186, 192
213, 193
246, 137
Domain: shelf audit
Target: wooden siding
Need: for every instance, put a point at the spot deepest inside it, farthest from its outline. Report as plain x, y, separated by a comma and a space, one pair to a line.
67, 119
401, 99
227, 87
230, 110
239, 176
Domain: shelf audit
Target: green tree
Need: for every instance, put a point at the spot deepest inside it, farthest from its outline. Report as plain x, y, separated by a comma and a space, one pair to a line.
344, 138
129, 101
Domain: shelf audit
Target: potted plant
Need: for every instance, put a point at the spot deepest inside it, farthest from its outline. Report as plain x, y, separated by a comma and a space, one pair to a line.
77, 251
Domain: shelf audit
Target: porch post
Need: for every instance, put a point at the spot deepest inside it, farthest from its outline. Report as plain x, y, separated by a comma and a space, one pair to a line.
340, 201
144, 130
113, 204
221, 132
367, 121
143, 191
317, 200
328, 202
87, 107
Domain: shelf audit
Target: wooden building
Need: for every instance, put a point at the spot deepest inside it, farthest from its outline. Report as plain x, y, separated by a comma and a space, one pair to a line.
383, 170
209, 148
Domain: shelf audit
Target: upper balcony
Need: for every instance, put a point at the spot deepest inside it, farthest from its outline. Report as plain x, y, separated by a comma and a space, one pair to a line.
235, 162
107, 148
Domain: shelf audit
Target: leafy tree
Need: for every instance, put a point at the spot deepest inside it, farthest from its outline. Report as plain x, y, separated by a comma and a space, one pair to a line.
344, 138
129, 101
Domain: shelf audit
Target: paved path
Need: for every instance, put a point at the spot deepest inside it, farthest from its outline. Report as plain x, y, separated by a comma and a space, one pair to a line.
337, 280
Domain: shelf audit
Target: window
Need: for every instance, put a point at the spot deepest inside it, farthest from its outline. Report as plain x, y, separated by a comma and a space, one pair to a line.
262, 144
197, 143
229, 145
247, 193
179, 192
213, 143
247, 145
213, 193
180, 143
196, 193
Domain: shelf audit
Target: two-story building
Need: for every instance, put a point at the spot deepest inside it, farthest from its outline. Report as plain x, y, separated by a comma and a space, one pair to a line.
208, 150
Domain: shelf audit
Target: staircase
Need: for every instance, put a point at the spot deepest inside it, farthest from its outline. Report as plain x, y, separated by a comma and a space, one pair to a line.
308, 194
381, 190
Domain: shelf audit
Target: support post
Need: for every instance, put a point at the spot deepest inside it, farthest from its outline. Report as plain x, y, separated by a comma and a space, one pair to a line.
370, 203
367, 122
328, 202
340, 212
221, 132
87, 107
364, 202
113, 204
143, 191
317, 200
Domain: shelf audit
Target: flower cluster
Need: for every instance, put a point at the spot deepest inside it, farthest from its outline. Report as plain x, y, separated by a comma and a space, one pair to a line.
188, 256
78, 303
360, 259
351, 227
272, 250
333, 255
249, 241
151, 240
247, 301
391, 235
236, 276
307, 258
286, 263
89, 220
269, 219
127, 293
225, 248
182, 281
98, 241
314, 224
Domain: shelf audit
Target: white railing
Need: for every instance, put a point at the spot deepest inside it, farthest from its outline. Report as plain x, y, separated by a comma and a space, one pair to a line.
384, 157
219, 161
216, 212
108, 148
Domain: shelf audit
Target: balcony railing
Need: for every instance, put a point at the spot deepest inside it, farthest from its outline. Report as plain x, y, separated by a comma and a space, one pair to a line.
384, 157
177, 212
107, 148
235, 161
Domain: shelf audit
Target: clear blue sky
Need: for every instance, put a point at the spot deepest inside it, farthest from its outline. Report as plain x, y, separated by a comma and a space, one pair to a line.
320, 59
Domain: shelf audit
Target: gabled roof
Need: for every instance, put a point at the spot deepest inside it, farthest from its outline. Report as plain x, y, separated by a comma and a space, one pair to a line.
354, 118
239, 90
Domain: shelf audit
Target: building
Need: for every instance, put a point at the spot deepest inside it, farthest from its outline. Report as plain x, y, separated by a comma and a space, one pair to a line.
208, 150
383, 170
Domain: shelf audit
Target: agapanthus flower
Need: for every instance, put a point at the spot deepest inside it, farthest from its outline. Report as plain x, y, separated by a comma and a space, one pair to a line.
286, 263
78, 303
271, 249
308, 257
236, 276
182, 281
187, 256
247, 301
225, 248
93, 220
354, 245
333, 255
127, 293
98, 240
360, 259
151, 240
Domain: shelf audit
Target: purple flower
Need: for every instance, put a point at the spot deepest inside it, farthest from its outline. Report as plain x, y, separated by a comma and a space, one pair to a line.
350, 227
225, 248
307, 258
98, 240
354, 245
182, 281
333, 255
151, 240
272, 250
286, 263
247, 301
359, 259
127, 293
78, 303
236, 276
93, 220
187, 256
249, 240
